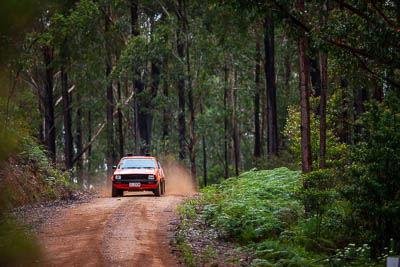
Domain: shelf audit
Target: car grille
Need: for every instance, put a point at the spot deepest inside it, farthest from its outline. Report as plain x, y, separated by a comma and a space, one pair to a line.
134, 176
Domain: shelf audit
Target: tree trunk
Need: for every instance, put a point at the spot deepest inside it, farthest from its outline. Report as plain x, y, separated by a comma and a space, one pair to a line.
79, 137
315, 74
128, 119
226, 138
67, 119
204, 160
235, 135
398, 11
264, 114
204, 148
89, 137
109, 103
166, 108
269, 45
138, 86
120, 125
344, 132
288, 70
41, 128
192, 134
49, 124
324, 89
110, 125
304, 103
180, 45
304, 108
166, 116
257, 138
377, 92
136, 122
322, 104
146, 116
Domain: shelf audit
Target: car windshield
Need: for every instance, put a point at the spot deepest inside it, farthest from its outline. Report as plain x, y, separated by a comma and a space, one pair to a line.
137, 164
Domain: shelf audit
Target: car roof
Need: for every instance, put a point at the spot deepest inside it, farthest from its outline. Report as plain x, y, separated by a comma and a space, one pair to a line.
139, 157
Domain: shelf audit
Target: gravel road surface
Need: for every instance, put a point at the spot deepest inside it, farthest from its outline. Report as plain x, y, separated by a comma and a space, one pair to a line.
132, 230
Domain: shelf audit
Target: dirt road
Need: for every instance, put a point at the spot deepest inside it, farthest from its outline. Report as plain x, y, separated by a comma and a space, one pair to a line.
127, 231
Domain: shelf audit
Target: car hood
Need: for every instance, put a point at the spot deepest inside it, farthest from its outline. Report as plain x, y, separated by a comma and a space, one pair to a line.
135, 171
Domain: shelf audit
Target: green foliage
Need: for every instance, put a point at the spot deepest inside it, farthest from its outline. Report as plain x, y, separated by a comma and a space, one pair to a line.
259, 209
263, 212
319, 195
246, 207
187, 255
285, 159
13, 130
334, 149
32, 150
374, 185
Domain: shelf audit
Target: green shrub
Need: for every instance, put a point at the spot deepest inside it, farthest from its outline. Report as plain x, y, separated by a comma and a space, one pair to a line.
318, 195
374, 185
257, 205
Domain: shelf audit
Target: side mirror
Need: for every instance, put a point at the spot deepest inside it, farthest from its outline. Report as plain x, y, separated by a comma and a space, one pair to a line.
114, 167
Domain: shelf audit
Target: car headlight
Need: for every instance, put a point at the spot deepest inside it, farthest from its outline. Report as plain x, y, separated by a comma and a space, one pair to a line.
151, 177
117, 177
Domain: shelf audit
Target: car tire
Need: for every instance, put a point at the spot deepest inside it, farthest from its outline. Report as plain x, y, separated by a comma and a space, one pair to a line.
157, 191
163, 187
117, 192
114, 192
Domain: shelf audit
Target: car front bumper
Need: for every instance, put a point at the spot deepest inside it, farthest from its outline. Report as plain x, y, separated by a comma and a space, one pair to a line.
144, 185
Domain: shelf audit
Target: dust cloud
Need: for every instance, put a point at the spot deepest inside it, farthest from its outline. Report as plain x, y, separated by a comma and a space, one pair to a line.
103, 188
100, 183
178, 180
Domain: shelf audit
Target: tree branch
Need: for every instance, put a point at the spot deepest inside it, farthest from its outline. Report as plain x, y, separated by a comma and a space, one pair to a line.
365, 67
385, 18
110, 19
69, 91
356, 51
352, 9
164, 9
291, 17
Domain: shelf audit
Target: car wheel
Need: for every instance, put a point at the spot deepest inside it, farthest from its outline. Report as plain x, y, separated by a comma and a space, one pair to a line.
163, 187
157, 191
120, 192
114, 192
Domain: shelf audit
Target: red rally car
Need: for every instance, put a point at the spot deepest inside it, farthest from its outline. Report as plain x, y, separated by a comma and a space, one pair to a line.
138, 173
